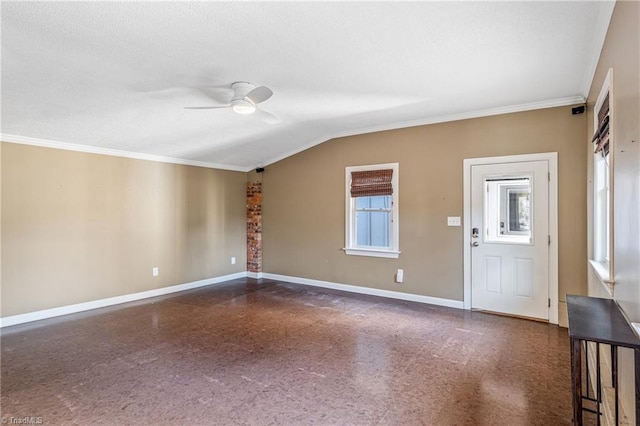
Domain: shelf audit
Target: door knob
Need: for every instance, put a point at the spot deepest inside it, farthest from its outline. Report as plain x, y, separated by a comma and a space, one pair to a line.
475, 244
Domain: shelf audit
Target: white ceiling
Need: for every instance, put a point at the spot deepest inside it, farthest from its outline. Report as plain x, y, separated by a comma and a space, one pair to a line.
114, 77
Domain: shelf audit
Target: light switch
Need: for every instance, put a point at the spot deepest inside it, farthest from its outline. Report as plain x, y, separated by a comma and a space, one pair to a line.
453, 221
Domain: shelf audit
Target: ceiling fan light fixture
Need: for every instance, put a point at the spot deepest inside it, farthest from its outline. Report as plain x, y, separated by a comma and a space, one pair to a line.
246, 97
243, 107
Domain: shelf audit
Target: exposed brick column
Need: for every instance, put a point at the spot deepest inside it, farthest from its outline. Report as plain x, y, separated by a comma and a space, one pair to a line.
254, 227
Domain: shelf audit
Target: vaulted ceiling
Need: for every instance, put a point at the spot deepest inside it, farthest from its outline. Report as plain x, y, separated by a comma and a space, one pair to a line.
115, 77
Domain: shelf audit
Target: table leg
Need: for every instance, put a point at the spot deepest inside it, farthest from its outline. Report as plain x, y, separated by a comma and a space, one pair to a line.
576, 380
614, 377
598, 385
637, 368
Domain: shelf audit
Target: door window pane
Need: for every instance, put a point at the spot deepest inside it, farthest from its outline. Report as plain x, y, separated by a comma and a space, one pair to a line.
518, 210
508, 210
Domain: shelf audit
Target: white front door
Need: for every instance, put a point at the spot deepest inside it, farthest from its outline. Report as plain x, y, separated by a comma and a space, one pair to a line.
510, 238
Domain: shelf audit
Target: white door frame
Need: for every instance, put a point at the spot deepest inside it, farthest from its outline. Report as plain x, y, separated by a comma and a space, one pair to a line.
552, 159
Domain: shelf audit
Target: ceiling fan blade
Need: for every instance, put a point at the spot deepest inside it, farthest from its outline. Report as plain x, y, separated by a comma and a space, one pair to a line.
208, 107
266, 117
259, 94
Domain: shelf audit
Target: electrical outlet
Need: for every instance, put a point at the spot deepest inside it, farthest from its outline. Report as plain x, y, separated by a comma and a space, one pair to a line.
154, 271
233, 260
400, 276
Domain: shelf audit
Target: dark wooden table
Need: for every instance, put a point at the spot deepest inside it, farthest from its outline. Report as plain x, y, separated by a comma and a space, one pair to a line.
600, 321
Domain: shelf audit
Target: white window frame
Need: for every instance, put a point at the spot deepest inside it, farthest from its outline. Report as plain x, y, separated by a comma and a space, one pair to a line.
351, 247
602, 228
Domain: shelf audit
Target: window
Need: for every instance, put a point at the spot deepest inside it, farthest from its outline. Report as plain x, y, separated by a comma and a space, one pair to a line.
507, 210
601, 209
372, 210
602, 261
373, 220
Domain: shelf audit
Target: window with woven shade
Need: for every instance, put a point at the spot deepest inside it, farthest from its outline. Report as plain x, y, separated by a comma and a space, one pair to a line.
372, 210
601, 136
369, 183
601, 259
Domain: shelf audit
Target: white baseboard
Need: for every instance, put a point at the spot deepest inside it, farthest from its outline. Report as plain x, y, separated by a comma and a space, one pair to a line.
255, 275
366, 290
101, 303
94, 304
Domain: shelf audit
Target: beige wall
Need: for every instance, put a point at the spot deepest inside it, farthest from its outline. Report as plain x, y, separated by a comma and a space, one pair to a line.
1, 145
303, 207
621, 52
78, 227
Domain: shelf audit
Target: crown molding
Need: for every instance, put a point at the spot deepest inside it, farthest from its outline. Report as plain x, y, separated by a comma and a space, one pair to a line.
25, 140
573, 100
553, 103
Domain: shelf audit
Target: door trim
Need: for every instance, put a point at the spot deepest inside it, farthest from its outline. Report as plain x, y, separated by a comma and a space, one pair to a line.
552, 159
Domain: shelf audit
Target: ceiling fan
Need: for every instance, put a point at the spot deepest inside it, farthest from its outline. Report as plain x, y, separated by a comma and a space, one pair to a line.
246, 97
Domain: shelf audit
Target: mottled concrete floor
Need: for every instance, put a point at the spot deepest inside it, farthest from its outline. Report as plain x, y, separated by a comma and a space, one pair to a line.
258, 353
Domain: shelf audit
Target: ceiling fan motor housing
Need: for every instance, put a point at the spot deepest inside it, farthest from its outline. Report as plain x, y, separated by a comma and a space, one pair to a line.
239, 104
241, 89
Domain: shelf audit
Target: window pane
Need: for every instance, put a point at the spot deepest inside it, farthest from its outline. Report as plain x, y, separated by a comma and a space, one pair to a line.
372, 229
607, 211
518, 210
381, 202
507, 211
363, 202
376, 202
601, 210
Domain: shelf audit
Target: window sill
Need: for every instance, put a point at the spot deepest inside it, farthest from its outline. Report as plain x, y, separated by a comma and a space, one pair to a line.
602, 272
391, 254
